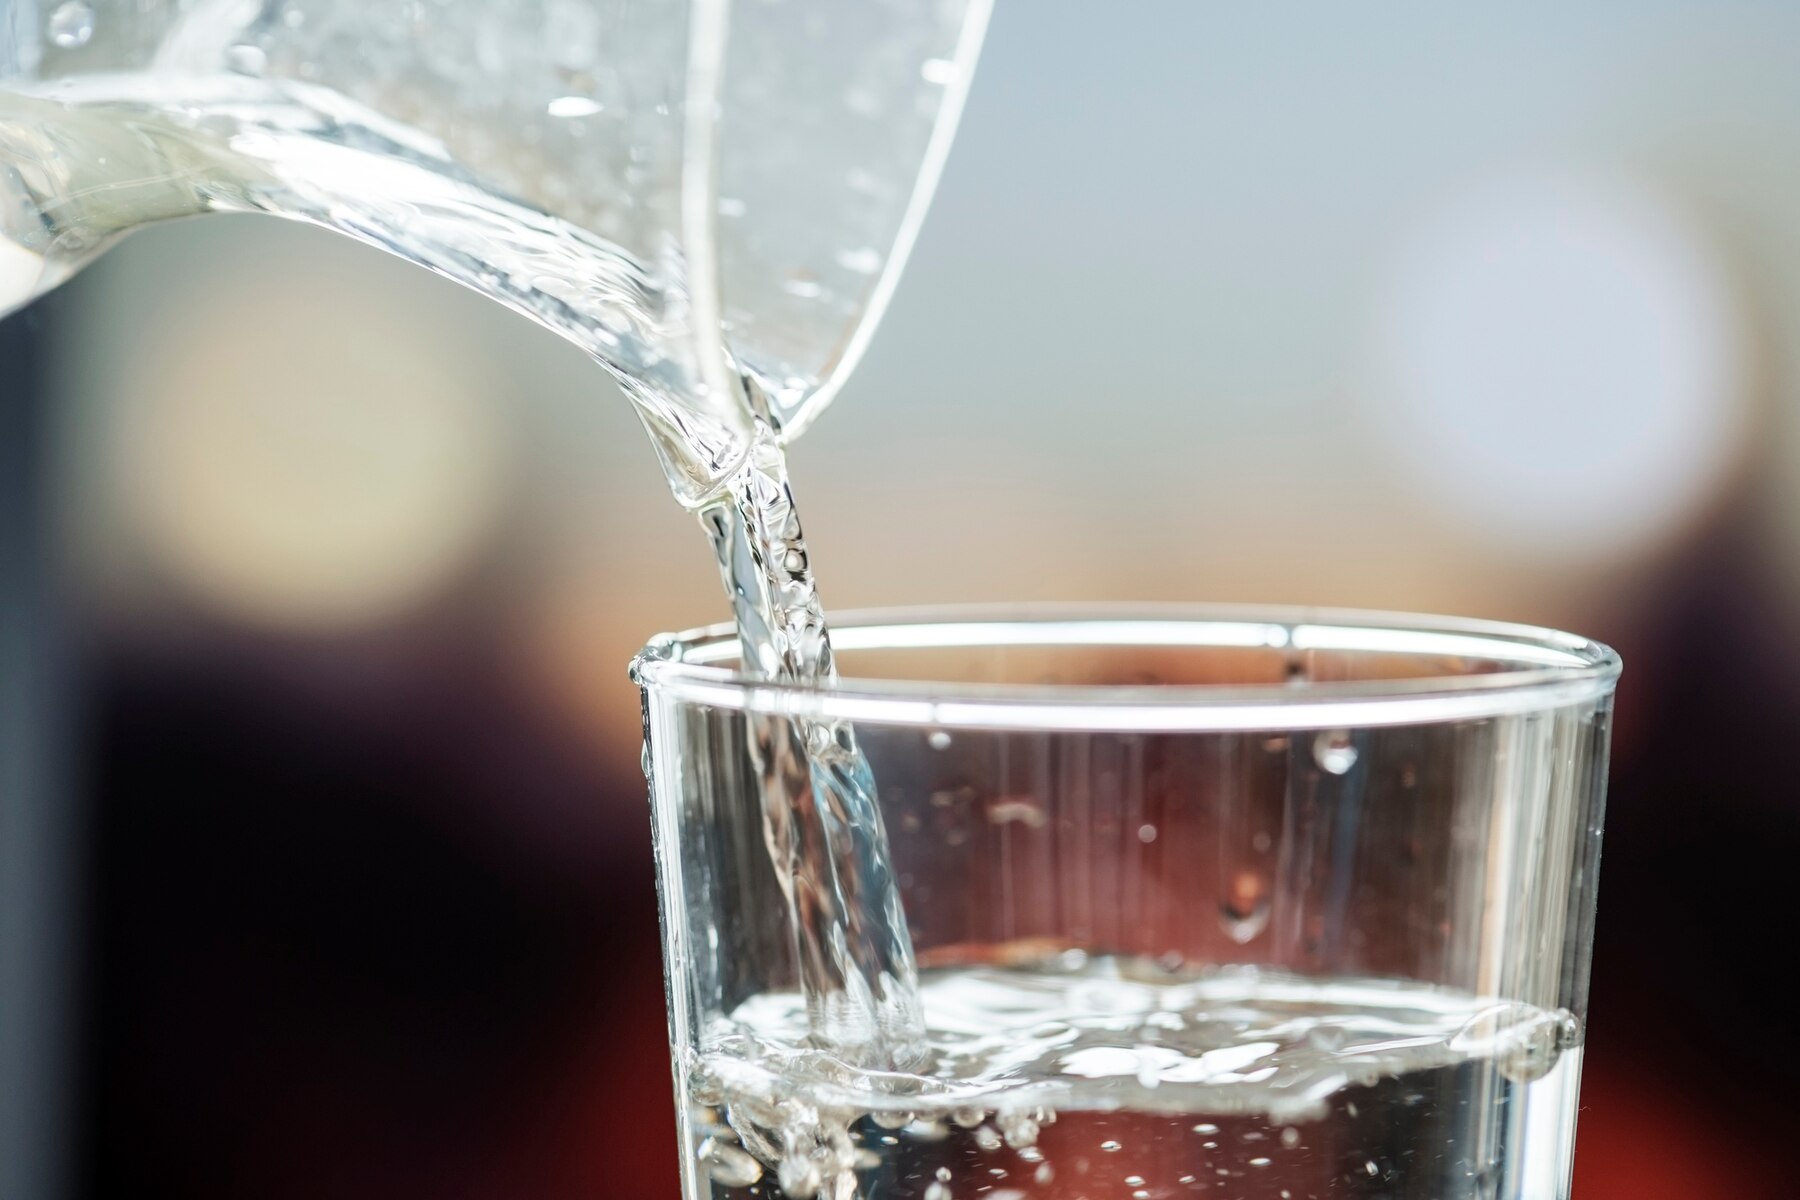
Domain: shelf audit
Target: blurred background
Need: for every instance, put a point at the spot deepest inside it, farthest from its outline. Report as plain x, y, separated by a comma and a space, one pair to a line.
320, 575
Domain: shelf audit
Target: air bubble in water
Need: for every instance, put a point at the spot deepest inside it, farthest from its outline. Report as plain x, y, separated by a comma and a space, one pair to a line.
729, 1165
987, 1138
1021, 1130
1111, 1147
937, 739
799, 1177
1290, 1137
1206, 1128
71, 25
937, 1191
1044, 1174
943, 1174
1334, 752
1134, 1181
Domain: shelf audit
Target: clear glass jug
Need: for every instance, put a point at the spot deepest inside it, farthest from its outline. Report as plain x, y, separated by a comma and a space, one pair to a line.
714, 199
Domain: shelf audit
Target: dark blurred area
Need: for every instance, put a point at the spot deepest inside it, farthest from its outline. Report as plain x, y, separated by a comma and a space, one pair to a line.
326, 857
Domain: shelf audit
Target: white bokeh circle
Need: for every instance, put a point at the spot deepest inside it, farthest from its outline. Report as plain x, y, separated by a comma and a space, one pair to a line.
1559, 364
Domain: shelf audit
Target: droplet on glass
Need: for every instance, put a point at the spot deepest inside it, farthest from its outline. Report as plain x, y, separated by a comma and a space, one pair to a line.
1334, 752
71, 25
246, 59
1244, 909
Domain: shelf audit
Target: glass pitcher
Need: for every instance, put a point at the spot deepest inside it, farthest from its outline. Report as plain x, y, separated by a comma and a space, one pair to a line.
714, 199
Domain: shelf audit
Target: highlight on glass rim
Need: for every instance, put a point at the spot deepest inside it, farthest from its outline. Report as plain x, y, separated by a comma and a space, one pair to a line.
1069, 798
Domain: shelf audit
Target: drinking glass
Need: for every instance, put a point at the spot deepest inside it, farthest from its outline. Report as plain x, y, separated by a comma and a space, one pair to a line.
1204, 902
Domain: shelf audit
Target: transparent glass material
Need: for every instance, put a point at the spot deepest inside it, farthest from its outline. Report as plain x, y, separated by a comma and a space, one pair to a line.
1209, 903
715, 199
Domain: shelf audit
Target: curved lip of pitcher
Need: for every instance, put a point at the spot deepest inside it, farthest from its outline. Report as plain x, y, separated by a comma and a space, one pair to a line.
1541, 669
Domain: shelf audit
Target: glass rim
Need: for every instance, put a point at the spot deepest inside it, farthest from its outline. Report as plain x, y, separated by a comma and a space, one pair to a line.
1542, 669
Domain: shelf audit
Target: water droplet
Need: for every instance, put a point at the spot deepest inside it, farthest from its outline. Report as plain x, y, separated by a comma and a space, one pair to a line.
1290, 1137
729, 1165
938, 70
571, 107
865, 260
1206, 1129
1333, 751
1244, 911
937, 739
71, 25
247, 59
1260, 1162
1111, 1147
1146, 834
1024, 811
